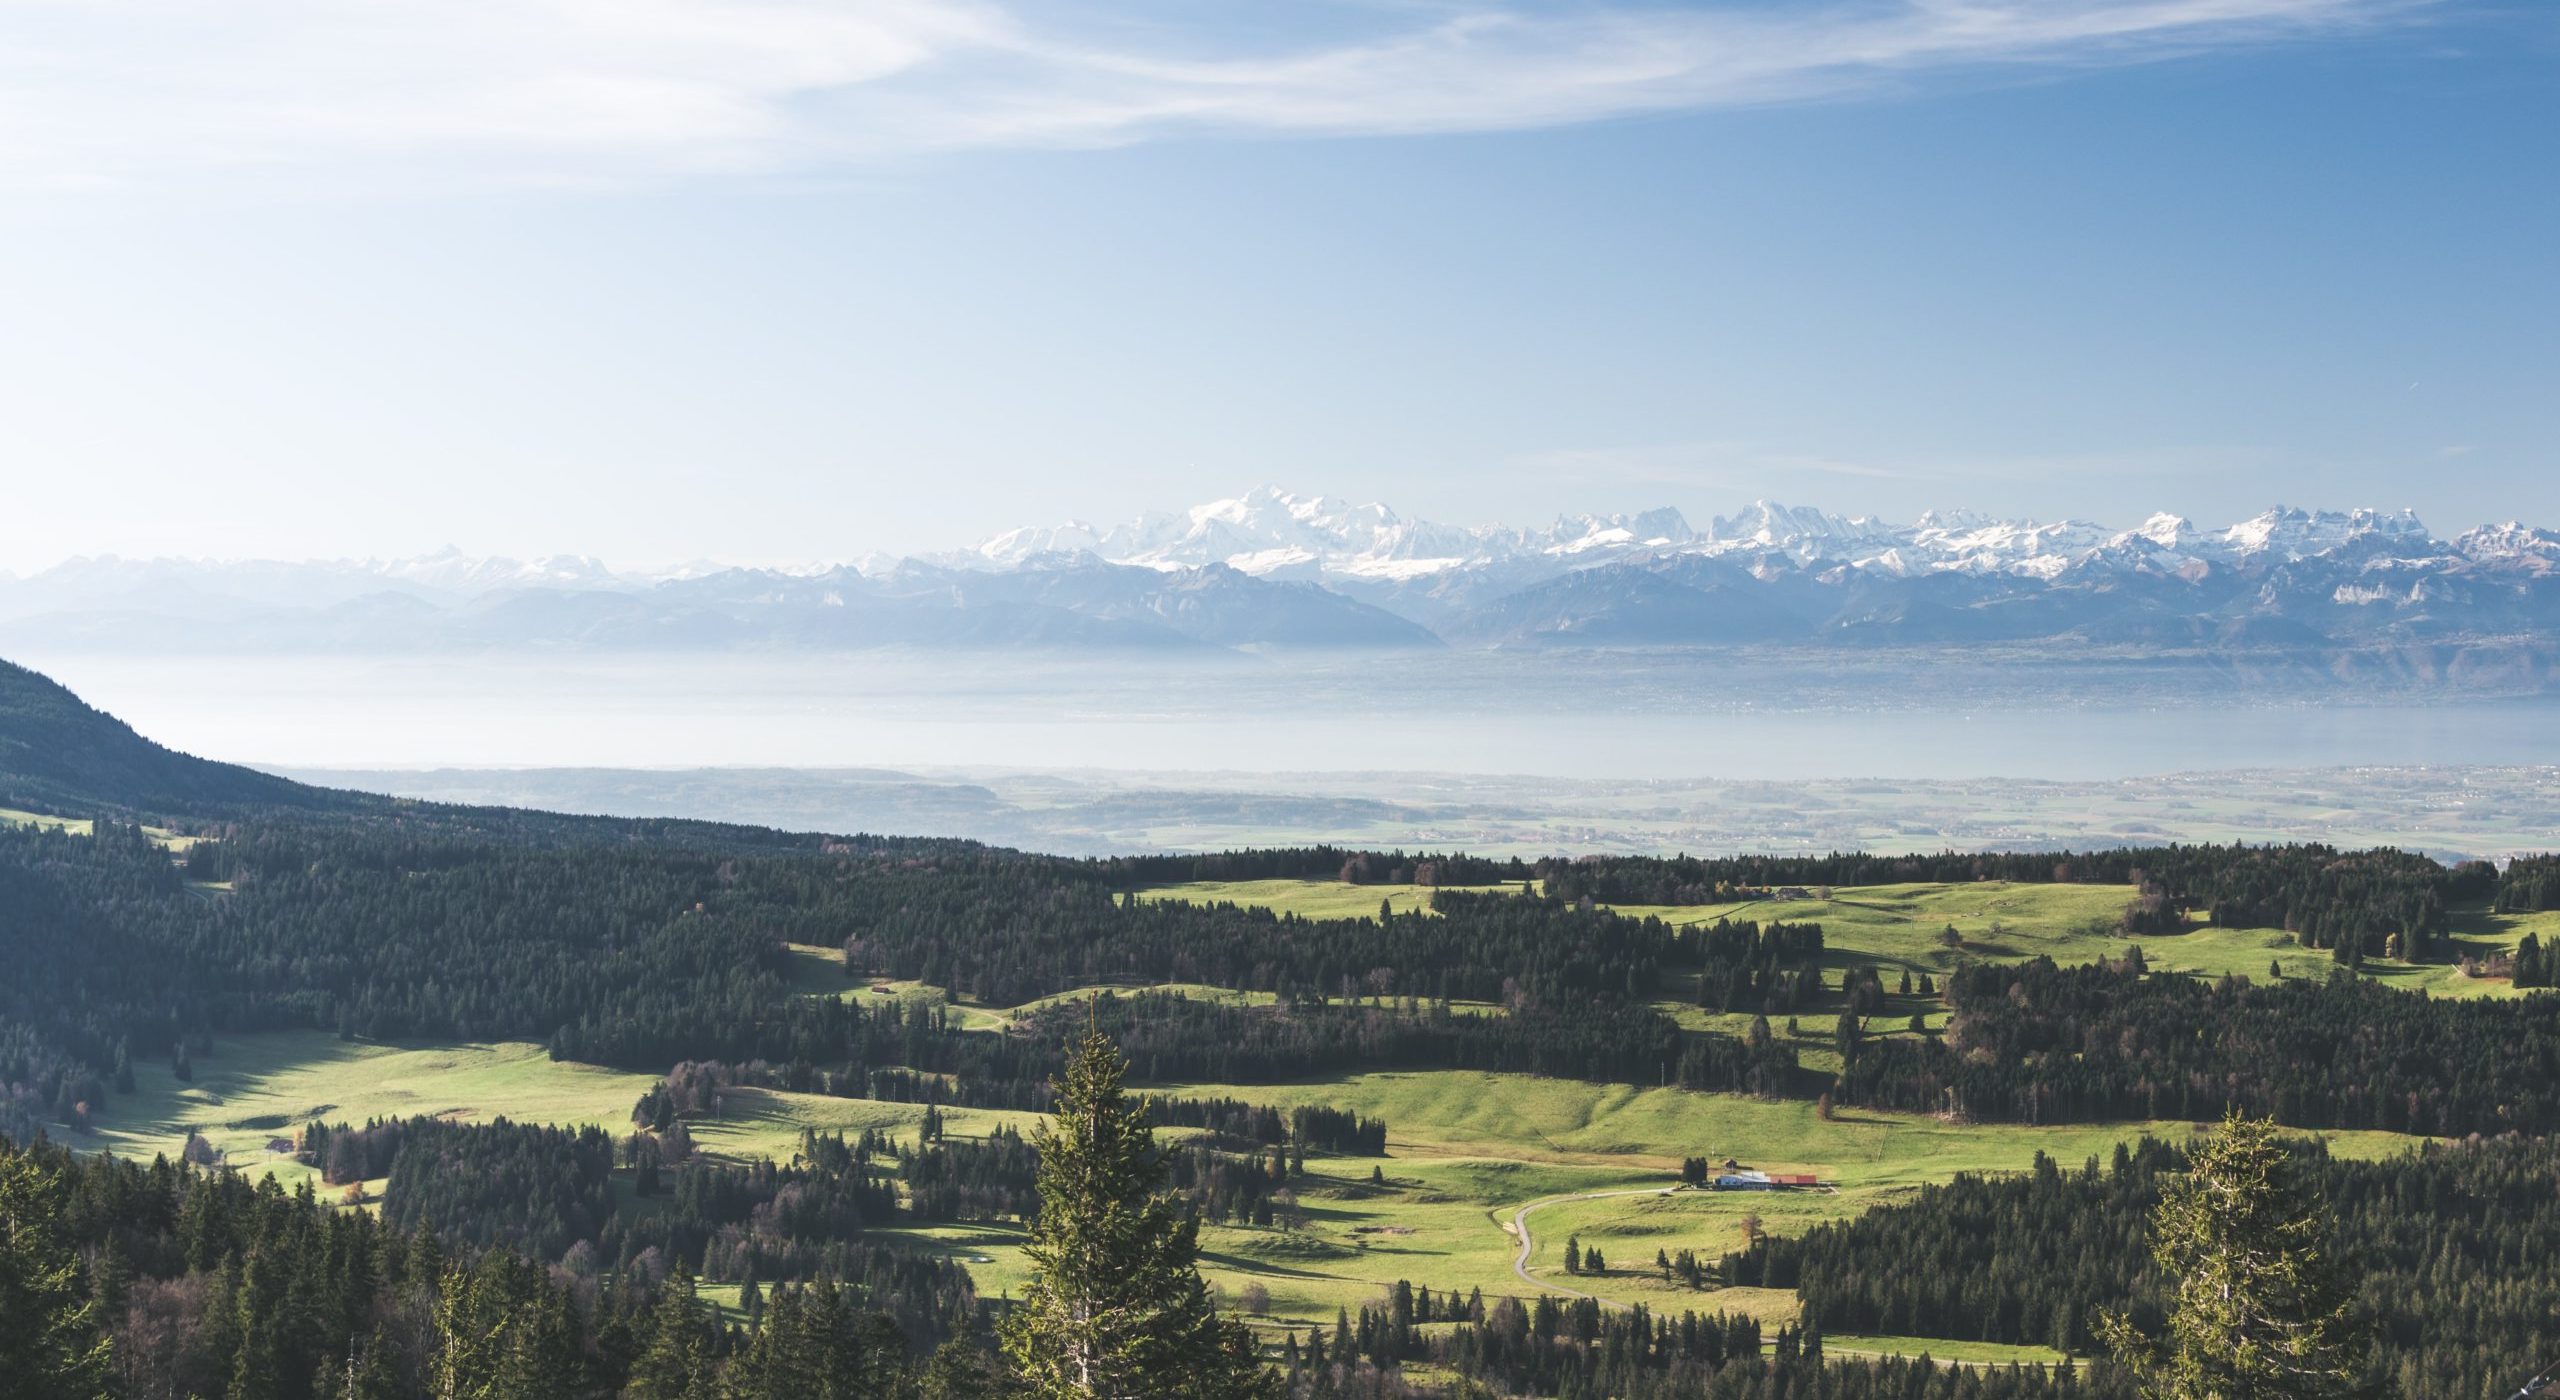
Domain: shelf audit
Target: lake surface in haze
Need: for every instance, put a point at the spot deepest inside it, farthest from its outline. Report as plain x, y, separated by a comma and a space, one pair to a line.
1457, 714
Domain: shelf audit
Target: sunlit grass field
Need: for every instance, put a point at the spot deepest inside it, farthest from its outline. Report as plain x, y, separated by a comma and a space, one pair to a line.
11, 816
820, 972
252, 1088
1310, 899
1466, 1149
82, 826
1893, 927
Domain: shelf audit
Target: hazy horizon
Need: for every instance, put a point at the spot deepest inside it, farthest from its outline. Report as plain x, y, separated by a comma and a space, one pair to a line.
1495, 717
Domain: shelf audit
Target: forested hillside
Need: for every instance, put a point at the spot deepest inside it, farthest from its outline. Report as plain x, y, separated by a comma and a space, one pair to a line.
2453, 1249
2040, 1043
247, 905
59, 755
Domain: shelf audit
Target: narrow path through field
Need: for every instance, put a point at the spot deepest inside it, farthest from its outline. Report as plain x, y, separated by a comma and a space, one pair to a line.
1519, 1226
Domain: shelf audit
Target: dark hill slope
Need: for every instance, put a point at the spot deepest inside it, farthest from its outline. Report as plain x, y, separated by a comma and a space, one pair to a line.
63, 757
60, 755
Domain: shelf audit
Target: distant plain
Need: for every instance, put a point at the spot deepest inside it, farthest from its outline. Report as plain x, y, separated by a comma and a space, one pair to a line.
2449, 812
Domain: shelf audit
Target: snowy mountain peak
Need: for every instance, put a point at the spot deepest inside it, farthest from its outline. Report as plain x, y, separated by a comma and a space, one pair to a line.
1800, 530
2513, 545
450, 568
1016, 545
1273, 532
2289, 533
2166, 530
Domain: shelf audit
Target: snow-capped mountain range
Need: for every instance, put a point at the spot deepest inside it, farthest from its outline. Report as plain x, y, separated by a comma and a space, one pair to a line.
1271, 570
1269, 531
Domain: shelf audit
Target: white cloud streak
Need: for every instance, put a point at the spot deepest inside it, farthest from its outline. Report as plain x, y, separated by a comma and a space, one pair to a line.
119, 91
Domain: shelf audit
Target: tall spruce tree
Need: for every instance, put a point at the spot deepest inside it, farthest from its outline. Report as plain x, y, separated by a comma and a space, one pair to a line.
674, 1363
50, 1346
2257, 1310
1116, 1306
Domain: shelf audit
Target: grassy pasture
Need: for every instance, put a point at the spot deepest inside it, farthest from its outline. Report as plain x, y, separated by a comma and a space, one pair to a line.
265, 1085
81, 826
767, 1123
820, 972
1468, 1149
1310, 899
11, 816
256, 1087
1894, 927
1550, 1124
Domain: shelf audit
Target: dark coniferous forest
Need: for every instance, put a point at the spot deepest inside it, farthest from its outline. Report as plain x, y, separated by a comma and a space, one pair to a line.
206, 901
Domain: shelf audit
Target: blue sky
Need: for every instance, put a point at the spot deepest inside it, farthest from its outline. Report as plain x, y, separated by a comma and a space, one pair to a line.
782, 281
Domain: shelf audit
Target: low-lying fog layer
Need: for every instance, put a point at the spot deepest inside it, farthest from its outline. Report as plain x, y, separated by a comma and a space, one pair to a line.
1486, 753
1595, 716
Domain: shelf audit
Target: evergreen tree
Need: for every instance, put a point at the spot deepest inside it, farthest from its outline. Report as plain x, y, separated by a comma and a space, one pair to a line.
1116, 1306
672, 1365
255, 1363
2257, 1311
958, 1370
50, 1348
470, 1338
542, 1353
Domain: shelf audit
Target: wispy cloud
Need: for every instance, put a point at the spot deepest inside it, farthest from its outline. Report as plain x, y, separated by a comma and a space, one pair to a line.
117, 90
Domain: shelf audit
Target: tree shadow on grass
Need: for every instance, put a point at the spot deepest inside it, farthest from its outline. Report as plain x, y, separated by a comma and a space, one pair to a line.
1861, 1120
1247, 1264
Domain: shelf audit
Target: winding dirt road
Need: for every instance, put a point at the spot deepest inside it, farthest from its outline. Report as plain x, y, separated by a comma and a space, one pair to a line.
1519, 1228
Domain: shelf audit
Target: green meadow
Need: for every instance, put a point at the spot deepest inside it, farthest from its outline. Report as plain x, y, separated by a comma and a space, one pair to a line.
1309, 899
253, 1088
1467, 1151
820, 972
1897, 927
11, 816
81, 826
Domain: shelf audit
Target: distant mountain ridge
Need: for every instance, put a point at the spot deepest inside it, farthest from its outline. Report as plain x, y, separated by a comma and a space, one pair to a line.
1273, 571
1269, 530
